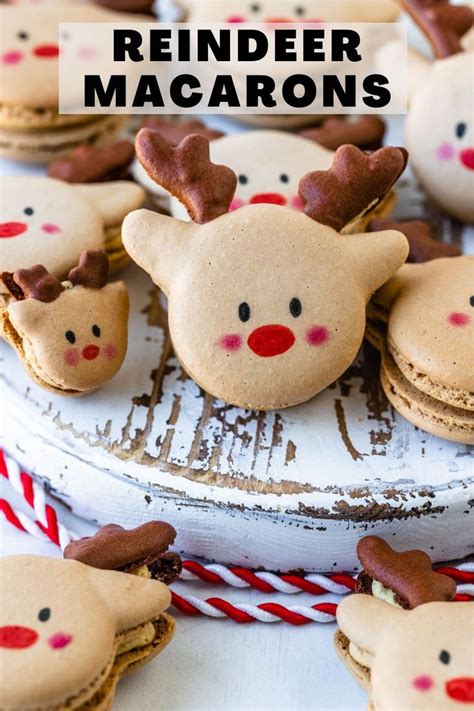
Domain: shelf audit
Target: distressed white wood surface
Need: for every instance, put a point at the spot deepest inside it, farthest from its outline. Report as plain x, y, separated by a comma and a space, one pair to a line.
287, 489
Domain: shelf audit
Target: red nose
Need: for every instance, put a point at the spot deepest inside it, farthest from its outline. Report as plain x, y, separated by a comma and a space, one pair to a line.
46, 50
90, 352
272, 340
461, 689
12, 229
466, 157
272, 198
16, 637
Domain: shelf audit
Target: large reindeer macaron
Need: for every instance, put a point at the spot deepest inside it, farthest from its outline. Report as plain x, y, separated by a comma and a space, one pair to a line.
69, 632
266, 304
440, 126
72, 336
409, 659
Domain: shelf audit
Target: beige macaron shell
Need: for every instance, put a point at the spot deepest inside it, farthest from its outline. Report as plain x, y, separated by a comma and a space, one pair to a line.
431, 139
32, 82
42, 328
406, 645
421, 329
265, 256
91, 606
40, 676
317, 10
63, 224
410, 649
114, 199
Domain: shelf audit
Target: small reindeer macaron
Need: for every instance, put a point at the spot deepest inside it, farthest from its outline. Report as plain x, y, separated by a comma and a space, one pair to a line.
266, 303
439, 126
422, 321
50, 222
405, 579
69, 632
409, 659
142, 550
72, 336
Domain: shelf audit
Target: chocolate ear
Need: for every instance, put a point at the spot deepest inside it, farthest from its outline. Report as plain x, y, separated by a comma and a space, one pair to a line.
33, 283
187, 172
355, 184
92, 271
443, 24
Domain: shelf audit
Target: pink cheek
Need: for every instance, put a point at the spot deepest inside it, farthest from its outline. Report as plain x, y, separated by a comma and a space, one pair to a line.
231, 342
59, 640
72, 356
50, 228
445, 151
317, 336
235, 204
235, 18
457, 318
13, 57
110, 351
423, 683
296, 202
87, 53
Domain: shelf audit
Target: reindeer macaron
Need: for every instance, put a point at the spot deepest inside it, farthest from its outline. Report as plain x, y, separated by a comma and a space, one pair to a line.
69, 632
422, 321
412, 659
50, 222
71, 336
266, 304
439, 126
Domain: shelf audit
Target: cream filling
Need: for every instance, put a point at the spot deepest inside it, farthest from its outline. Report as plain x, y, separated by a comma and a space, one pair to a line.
383, 593
359, 655
140, 636
143, 572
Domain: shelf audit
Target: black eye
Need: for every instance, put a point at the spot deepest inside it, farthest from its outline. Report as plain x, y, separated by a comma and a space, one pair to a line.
295, 307
461, 129
44, 614
243, 180
71, 336
284, 178
96, 330
444, 657
244, 311
29, 211
299, 10
471, 300
23, 35
255, 8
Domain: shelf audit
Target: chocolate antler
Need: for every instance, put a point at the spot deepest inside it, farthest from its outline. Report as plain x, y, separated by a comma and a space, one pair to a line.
365, 132
92, 271
91, 164
187, 172
355, 183
33, 283
442, 23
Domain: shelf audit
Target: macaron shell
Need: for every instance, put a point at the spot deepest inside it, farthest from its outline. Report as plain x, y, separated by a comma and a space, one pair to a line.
423, 411
431, 326
59, 223
42, 146
85, 360
433, 145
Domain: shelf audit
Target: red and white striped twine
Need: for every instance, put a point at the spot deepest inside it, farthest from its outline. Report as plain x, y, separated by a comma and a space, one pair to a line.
47, 527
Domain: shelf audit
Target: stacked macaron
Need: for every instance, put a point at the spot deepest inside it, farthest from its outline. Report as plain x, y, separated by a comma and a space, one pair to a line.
422, 322
31, 128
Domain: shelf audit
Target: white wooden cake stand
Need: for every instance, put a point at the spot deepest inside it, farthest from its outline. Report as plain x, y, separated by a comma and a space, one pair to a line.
284, 490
